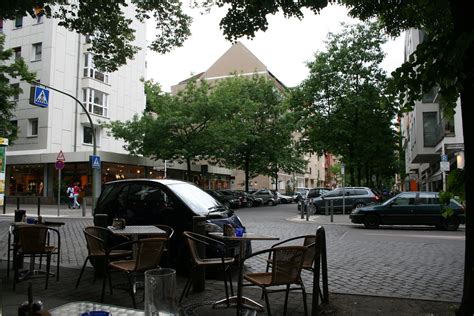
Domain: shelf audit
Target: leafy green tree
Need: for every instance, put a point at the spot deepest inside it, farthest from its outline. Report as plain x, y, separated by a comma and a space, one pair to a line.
10, 69
177, 127
258, 133
444, 59
111, 31
344, 108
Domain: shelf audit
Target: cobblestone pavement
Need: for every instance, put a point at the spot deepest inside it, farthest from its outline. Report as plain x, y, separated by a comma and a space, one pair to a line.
423, 266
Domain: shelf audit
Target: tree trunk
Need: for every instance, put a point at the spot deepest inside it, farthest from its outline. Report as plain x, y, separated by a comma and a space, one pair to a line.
188, 166
247, 166
464, 24
276, 181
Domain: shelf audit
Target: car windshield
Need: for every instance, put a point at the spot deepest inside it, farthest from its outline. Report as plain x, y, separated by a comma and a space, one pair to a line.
196, 199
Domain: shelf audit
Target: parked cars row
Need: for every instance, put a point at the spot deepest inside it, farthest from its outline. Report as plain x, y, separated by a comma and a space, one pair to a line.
410, 208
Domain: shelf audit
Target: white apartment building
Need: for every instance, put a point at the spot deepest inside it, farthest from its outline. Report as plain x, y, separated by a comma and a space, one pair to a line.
61, 60
429, 136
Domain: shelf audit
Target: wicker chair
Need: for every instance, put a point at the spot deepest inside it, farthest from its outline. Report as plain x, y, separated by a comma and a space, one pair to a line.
148, 255
98, 240
286, 266
194, 241
32, 241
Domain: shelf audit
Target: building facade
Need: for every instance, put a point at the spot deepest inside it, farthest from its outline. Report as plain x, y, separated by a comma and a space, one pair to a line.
61, 60
433, 142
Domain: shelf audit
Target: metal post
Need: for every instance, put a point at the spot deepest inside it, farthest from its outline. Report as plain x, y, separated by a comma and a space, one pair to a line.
4, 205
326, 207
39, 206
83, 206
332, 211
307, 210
199, 276
302, 208
59, 189
18, 203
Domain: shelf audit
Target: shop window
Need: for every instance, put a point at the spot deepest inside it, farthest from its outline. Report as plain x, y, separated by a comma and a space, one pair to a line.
33, 127
19, 22
96, 101
37, 51
91, 72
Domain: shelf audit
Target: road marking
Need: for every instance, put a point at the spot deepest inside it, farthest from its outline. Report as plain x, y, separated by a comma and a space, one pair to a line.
420, 236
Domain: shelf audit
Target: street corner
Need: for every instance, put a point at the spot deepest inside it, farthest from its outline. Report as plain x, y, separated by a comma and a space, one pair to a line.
323, 219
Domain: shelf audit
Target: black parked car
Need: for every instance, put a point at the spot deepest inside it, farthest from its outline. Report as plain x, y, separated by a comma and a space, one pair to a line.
410, 208
170, 202
309, 195
248, 199
229, 200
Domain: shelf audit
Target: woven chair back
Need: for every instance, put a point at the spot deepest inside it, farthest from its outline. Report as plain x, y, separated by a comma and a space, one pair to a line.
287, 264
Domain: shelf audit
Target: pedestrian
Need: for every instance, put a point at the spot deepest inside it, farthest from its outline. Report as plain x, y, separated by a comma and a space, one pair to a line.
70, 195
76, 190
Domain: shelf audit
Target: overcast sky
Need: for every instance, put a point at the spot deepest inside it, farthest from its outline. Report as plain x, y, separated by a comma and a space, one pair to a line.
284, 48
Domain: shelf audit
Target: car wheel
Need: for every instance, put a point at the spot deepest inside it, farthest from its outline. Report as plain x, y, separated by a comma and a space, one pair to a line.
360, 204
315, 210
249, 203
271, 202
451, 223
371, 221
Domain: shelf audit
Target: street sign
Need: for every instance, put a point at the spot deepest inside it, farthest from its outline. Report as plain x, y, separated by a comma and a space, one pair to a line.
343, 168
444, 157
444, 166
60, 156
95, 162
39, 96
59, 165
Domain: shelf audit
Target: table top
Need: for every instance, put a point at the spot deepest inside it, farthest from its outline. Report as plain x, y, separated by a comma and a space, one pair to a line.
76, 308
246, 236
137, 230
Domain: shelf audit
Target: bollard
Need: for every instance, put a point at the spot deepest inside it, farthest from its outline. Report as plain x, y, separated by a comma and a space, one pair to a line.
4, 205
320, 270
18, 203
83, 206
199, 277
332, 211
39, 207
301, 208
307, 211
326, 207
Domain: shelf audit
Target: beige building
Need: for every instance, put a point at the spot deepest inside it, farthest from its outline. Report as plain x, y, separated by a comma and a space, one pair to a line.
238, 60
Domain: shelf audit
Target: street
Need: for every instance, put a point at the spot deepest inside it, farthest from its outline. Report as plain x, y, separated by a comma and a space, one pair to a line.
409, 262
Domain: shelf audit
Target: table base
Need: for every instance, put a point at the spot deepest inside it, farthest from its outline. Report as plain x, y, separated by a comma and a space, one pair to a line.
233, 301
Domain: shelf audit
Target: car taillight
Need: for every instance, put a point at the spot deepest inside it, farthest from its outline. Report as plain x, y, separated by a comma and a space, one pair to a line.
376, 198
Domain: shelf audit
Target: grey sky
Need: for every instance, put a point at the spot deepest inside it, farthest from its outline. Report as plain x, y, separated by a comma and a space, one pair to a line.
284, 48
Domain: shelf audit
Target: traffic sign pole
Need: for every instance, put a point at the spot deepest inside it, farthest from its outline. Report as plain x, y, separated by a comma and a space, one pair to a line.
59, 189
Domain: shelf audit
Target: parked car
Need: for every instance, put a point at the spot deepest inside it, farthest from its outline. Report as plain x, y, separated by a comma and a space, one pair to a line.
284, 199
170, 202
350, 197
228, 200
248, 199
267, 196
300, 193
310, 195
410, 208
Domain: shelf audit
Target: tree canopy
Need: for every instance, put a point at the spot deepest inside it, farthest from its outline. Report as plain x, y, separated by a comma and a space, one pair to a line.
343, 106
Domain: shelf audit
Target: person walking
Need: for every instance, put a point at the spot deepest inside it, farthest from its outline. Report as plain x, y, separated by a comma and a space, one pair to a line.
70, 195
76, 190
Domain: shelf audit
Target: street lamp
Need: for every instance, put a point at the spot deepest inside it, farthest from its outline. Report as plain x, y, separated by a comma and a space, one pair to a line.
96, 183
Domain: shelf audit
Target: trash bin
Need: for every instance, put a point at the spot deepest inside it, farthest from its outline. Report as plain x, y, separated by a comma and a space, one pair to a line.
20, 215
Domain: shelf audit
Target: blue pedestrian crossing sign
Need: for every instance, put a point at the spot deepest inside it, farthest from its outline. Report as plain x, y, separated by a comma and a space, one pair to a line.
444, 157
95, 162
39, 97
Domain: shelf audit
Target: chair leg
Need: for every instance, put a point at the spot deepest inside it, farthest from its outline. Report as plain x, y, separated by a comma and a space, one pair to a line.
57, 266
226, 289
267, 301
304, 300
132, 292
109, 276
103, 288
82, 271
48, 266
230, 282
15, 270
188, 283
287, 293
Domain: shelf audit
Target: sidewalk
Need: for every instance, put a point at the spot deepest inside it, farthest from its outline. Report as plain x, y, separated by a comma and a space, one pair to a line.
49, 211
337, 219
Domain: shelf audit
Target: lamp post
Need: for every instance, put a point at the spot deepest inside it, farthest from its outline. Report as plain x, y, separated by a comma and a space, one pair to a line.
96, 183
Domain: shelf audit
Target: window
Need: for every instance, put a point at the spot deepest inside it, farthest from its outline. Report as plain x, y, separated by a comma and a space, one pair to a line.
91, 72
17, 52
37, 51
33, 127
96, 102
15, 86
87, 137
19, 21
430, 129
